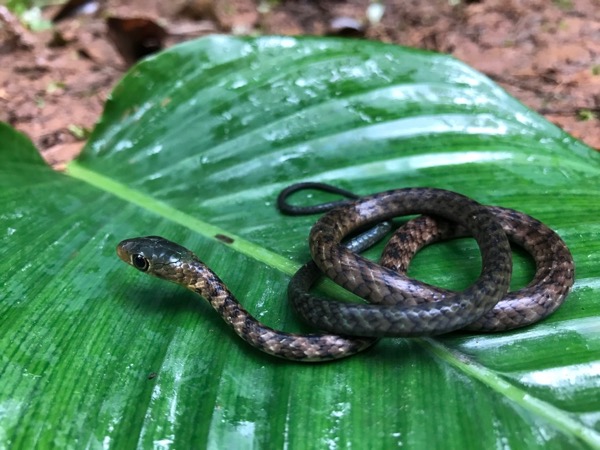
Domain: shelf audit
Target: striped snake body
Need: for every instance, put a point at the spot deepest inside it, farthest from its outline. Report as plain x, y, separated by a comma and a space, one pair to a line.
398, 305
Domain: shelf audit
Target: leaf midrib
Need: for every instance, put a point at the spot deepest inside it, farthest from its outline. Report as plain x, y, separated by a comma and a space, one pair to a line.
556, 416
201, 227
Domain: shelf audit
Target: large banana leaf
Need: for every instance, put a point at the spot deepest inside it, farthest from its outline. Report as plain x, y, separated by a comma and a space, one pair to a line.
196, 142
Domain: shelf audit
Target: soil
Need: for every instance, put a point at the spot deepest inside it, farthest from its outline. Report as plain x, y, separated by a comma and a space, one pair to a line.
53, 83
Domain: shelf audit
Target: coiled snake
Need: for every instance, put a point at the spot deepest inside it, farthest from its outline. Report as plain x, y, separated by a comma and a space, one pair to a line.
399, 306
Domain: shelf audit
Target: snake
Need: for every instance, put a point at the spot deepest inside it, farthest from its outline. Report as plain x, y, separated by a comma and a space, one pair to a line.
398, 305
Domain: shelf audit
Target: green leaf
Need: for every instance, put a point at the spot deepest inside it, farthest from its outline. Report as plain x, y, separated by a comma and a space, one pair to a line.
197, 142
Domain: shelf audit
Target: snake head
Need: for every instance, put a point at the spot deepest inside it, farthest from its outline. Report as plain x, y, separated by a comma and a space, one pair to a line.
156, 256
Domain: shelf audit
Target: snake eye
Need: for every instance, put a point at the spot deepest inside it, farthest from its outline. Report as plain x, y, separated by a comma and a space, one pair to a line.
139, 262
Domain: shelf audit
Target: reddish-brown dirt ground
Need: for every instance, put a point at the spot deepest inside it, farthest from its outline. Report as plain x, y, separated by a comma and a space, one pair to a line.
546, 53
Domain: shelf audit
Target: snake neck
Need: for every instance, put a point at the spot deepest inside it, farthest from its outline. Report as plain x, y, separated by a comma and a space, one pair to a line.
202, 280
199, 278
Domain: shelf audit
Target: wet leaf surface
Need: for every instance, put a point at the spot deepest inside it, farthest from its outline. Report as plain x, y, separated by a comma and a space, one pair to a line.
195, 143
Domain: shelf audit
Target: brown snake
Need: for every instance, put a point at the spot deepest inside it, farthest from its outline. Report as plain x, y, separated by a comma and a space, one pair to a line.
399, 306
